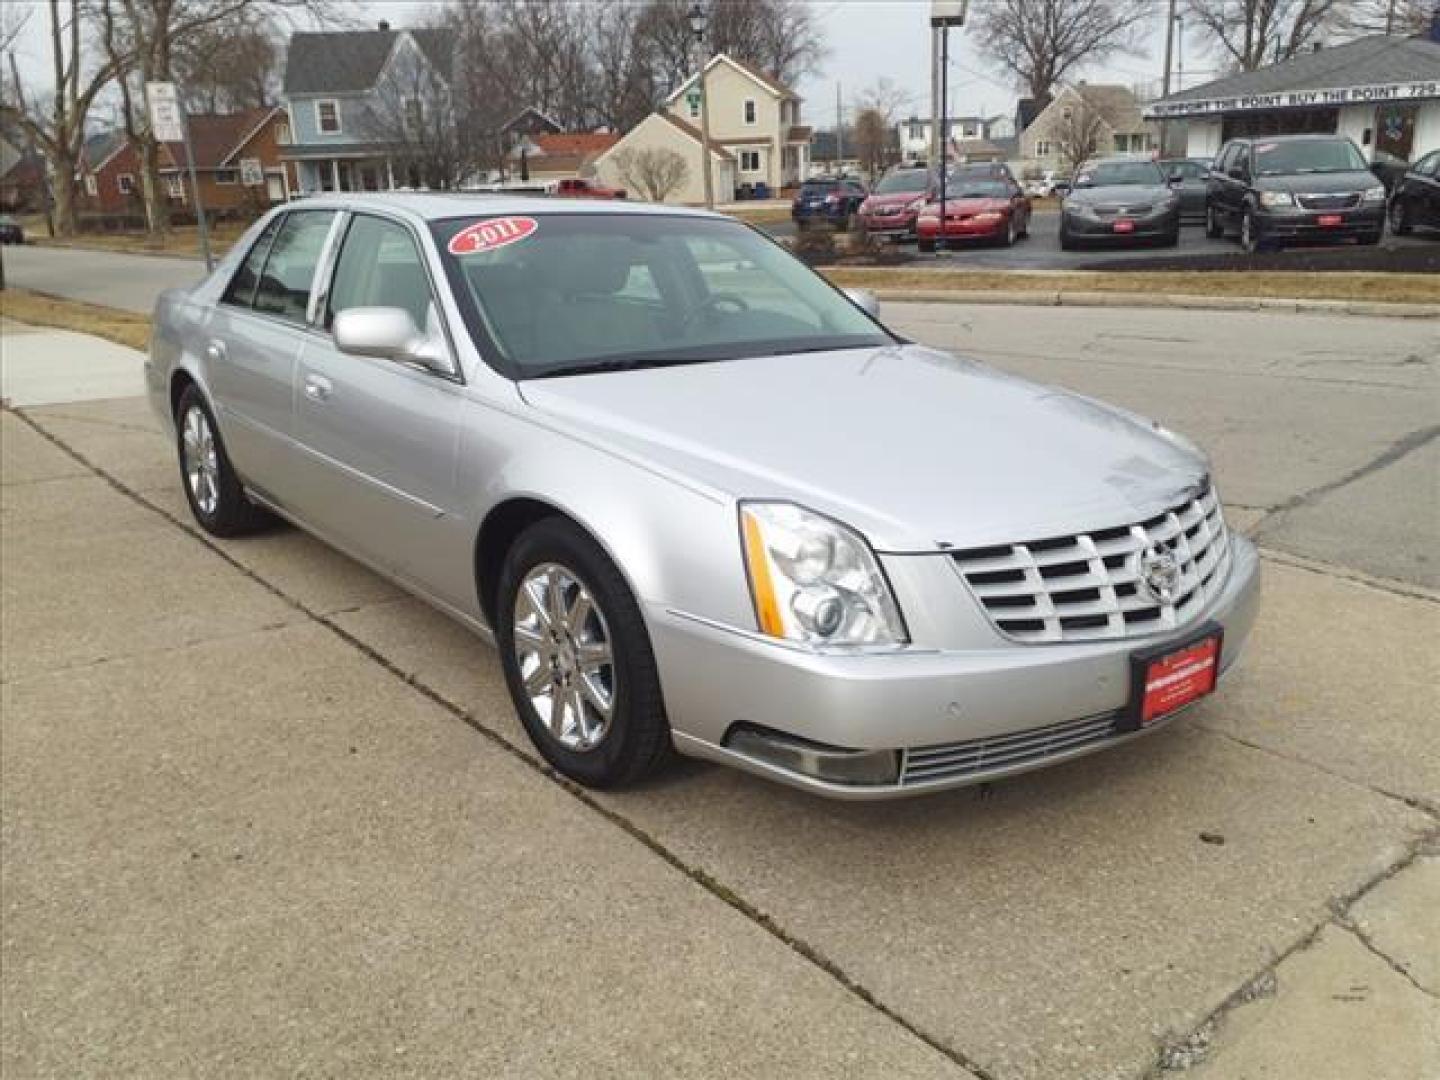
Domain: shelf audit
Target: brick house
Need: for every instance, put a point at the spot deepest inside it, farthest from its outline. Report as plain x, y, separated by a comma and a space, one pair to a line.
560, 155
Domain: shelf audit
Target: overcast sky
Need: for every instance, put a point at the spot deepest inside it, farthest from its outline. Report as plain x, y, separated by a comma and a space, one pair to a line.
867, 40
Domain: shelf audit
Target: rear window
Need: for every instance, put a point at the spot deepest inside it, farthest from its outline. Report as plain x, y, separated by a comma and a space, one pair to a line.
818, 187
1118, 174
284, 288
903, 180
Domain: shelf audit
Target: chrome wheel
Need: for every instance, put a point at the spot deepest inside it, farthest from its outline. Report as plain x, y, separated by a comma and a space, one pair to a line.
200, 460
1247, 235
564, 656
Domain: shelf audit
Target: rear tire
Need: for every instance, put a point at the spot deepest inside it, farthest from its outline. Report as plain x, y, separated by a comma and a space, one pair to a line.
1067, 242
212, 488
634, 736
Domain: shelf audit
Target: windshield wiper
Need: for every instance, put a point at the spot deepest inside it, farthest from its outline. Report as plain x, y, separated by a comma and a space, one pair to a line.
608, 364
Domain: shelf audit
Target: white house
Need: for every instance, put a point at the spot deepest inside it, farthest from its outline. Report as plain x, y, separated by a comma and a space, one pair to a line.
1381, 91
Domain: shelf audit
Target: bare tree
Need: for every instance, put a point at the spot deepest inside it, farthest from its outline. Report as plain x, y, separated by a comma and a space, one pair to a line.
1079, 131
1403, 17
1042, 41
12, 22
625, 86
886, 97
1252, 33
57, 126
872, 138
780, 37
655, 172
230, 66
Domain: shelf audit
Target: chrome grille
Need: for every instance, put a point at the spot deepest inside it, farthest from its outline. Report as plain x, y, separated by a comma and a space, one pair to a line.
1328, 202
1000, 751
1123, 211
1089, 587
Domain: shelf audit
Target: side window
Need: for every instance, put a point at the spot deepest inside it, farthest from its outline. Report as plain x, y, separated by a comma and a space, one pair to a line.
242, 286
285, 284
1429, 165
1222, 163
379, 266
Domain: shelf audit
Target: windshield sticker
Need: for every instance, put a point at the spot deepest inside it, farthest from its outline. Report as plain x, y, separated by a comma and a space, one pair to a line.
1083, 178
1265, 148
492, 234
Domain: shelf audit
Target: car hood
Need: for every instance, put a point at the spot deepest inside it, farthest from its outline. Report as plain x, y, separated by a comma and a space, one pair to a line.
1341, 183
1118, 194
915, 448
891, 202
977, 205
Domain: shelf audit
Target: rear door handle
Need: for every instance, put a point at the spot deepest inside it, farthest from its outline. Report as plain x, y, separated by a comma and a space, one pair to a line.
317, 388
215, 351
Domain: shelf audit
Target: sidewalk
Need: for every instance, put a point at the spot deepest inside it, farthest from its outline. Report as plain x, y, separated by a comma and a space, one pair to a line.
263, 814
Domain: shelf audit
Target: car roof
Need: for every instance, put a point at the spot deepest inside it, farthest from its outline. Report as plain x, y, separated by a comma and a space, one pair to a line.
436, 206
1309, 136
1118, 159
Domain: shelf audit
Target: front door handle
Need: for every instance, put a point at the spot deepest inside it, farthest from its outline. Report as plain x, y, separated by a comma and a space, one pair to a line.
317, 388
215, 351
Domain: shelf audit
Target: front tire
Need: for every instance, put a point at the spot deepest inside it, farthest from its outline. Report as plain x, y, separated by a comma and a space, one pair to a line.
213, 490
1007, 238
1214, 227
577, 658
1249, 239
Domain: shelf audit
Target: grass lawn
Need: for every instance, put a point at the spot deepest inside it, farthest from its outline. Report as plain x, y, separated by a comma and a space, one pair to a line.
37, 309
1391, 288
181, 240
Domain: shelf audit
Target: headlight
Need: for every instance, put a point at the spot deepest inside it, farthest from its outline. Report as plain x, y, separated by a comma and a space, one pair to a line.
989, 215
815, 581
1276, 198
1375, 194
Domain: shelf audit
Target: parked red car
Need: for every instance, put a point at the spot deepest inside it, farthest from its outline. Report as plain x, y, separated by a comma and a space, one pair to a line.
982, 202
577, 188
894, 203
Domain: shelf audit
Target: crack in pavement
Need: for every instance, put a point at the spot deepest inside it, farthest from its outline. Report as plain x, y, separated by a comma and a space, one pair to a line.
1343, 573
1391, 454
700, 877
1203, 1035
1345, 922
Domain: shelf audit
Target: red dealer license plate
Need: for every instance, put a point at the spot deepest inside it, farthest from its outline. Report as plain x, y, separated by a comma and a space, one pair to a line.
1124, 226
1329, 221
1166, 680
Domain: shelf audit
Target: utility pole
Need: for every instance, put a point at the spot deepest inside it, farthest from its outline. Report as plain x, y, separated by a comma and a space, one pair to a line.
699, 20
1165, 81
943, 15
1179, 52
1390, 17
935, 109
839, 131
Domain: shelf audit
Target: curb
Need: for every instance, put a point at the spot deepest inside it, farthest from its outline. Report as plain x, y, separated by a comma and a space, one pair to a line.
1068, 298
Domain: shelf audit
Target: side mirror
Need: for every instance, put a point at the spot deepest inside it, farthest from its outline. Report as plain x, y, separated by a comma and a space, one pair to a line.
865, 300
389, 333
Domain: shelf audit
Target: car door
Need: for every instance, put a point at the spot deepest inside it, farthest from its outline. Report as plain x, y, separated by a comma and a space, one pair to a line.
1425, 190
254, 338
1221, 183
380, 436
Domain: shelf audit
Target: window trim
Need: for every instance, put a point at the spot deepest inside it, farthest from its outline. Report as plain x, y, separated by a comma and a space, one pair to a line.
232, 173
320, 128
249, 306
122, 186
306, 322
750, 153
750, 112
92, 189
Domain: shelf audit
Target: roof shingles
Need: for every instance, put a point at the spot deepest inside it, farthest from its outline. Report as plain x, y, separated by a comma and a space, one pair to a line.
350, 61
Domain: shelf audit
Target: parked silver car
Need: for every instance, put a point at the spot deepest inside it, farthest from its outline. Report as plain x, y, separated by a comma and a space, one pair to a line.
697, 496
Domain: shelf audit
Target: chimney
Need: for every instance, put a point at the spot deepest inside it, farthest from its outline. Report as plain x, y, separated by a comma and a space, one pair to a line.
384, 24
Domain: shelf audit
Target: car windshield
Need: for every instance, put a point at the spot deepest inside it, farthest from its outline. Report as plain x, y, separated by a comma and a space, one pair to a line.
568, 294
1118, 174
903, 180
1307, 156
965, 187
818, 187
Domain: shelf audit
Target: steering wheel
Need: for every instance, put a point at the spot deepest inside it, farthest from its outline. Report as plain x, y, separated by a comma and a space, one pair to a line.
713, 302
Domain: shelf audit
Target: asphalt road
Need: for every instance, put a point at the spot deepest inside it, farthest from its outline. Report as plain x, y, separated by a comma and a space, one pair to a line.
1041, 249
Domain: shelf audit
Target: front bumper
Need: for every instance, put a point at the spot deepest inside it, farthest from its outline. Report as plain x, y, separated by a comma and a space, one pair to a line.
1299, 224
889, 225
952, 716
962, 229
1093, 229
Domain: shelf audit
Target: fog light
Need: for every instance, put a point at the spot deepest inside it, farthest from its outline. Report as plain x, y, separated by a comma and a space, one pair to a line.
832, 763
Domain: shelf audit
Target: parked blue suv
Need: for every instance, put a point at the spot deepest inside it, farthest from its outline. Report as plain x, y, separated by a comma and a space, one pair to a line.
828, 199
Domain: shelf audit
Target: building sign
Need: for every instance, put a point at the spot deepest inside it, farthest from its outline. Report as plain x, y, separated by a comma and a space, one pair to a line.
947, 12
166, 119
1296, 99
252, 173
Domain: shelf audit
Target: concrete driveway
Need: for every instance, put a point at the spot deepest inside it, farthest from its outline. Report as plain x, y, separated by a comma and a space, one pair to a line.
264, 814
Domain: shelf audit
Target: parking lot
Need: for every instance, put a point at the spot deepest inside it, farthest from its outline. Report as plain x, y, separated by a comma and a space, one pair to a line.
1041, 251
264, 813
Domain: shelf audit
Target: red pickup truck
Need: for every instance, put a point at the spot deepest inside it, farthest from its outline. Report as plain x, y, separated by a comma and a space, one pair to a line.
585, 189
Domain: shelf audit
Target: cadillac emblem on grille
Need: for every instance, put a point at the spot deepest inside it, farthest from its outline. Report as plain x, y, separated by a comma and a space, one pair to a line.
1159, 573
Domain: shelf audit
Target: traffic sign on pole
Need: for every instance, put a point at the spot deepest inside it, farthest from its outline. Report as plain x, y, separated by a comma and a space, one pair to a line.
167, 124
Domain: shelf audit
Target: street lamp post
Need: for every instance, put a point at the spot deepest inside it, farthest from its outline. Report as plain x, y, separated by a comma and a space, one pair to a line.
699, 21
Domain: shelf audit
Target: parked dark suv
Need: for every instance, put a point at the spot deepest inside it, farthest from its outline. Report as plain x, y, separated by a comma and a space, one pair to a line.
1294, 187
833, 200
1416, 198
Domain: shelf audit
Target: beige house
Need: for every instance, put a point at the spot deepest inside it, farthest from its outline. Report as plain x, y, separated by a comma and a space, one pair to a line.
661, 132
755, 132
1087, 121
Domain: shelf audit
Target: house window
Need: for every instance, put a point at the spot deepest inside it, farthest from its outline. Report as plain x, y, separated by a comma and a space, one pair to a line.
1043, 148
1134, 142
282, 134
693, 103
126, 183
749, 112
327, 117
175, 187
91, 188
414, 114
750, 161
226, 176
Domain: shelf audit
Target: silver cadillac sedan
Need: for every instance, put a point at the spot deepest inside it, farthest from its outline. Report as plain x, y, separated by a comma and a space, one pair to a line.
697, 497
